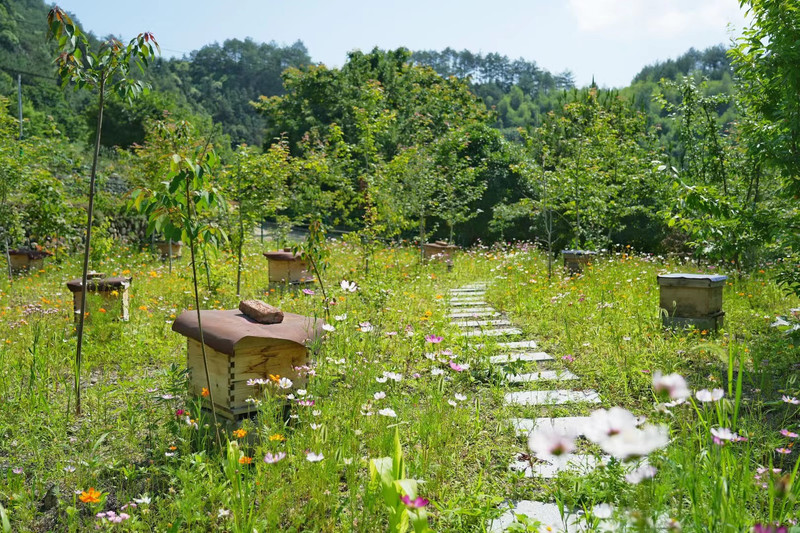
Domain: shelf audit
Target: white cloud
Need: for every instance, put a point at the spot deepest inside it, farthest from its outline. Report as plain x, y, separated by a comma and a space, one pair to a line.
630, 19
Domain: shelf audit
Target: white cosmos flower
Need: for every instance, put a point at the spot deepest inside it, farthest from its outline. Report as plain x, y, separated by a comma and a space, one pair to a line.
379, 395
314, 457
638, 475
394, 376
382, 380
672, 385
451, 402
316, 426
602, 511
546, 443
460, 397
387, 412
437, 371
301, 392
328, 327
348, 286
632, 442
724, 434
285, 383
706, 395
339, 318
607, 423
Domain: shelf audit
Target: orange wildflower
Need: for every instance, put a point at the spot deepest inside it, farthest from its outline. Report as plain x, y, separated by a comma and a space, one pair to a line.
245, 460
277, 436
275, 377
239, 433
205, 392
90, 496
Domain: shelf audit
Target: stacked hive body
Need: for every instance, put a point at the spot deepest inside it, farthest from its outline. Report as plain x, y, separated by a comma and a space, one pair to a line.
575, 260
692, 300
24, 259
111, 289
438, 250
172, 249
240, 349
288, 267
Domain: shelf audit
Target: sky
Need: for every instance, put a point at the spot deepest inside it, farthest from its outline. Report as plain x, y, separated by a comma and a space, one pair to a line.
610, 40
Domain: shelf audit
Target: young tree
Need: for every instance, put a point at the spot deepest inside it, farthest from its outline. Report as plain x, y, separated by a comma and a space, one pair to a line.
105, 70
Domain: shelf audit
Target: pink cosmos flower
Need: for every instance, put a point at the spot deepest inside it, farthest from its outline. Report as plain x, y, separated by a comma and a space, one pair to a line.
433, 339
309, 292
568, 358
785, 451
272, 459
790, 434
417, 503
457, 367
790, 399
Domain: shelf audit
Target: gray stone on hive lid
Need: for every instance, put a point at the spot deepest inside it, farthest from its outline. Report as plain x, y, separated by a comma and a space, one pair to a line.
551, 397
520, 356
542, 375
499, 332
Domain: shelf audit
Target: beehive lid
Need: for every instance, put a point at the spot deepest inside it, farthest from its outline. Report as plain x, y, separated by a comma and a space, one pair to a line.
578, 252
440, 245
283, 255
223, 330
100, 285
691, 280
32, 254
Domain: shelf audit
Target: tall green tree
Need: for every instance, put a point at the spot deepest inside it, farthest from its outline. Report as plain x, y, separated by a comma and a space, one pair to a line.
103, 70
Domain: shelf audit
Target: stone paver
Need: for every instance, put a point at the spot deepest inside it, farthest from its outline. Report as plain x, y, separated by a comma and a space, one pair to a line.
472, 310
516, 345
481, 323
471, 303
466, 300
578, 463
542, 375
520, 356
473, 315
551, 397
467, 290
546, 513
499, 332
567, 425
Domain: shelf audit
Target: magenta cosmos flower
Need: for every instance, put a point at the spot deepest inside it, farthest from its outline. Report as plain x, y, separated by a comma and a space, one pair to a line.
417, 503
433, 339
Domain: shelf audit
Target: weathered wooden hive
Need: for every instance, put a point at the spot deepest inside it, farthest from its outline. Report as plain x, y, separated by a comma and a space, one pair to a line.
575, 260
240, 349
692, 299
26, 259
167, 248
114, 289
288, 267
438, 250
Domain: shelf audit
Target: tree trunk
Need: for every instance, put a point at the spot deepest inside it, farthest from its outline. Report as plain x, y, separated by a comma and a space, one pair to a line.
86, 247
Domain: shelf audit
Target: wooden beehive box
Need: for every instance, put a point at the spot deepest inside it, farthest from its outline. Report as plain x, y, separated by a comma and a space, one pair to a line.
287, 267
112, 290
25, 259
175, 247
438, 250
575, 260
240, 349
692, 299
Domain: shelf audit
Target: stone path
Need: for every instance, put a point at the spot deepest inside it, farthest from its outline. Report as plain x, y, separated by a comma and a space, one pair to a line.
478, 320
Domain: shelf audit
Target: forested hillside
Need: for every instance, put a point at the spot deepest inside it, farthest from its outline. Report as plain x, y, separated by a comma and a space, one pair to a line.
404, 144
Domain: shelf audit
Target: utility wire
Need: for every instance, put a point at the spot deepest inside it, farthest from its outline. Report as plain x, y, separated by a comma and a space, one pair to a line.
17, 71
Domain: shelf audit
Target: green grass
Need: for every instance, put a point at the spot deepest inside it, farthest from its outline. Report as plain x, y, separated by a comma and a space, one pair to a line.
132, 447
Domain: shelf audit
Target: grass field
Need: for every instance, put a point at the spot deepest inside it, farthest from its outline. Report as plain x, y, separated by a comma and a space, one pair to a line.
150, 453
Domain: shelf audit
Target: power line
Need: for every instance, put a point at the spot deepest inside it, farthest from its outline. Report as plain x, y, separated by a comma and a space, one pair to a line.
26, 73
